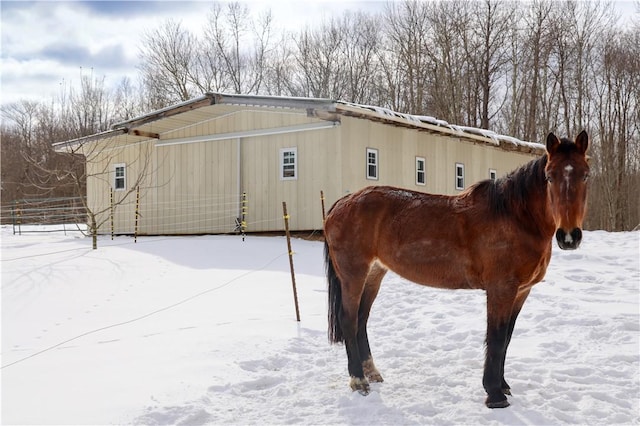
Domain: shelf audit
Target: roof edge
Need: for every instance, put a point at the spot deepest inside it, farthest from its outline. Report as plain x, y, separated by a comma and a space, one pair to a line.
195, 103
425, 123
215, 98
274, 101
83, 139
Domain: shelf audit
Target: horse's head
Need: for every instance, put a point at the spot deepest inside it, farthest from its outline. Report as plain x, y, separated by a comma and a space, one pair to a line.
567, 171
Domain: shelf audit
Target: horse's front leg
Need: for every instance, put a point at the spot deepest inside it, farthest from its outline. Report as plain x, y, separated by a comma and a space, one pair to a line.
499, 310
492, 379
515, 311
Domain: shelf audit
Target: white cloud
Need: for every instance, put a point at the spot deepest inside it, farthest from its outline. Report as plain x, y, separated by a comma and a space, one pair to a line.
47, 42
44, 43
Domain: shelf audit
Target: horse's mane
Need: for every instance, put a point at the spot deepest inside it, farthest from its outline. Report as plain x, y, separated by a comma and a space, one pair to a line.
511, 192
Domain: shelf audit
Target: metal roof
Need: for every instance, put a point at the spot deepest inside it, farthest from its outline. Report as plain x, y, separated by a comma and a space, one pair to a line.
212, 105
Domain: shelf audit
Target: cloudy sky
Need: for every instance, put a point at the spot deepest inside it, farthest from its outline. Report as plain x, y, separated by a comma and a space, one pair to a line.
49, 44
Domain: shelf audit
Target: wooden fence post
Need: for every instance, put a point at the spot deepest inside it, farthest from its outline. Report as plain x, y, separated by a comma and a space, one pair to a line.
13, 215
322, 202
293, 275
19, 216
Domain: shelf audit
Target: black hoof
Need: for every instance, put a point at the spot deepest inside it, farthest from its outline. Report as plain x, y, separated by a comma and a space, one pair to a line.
497, 404
496, 401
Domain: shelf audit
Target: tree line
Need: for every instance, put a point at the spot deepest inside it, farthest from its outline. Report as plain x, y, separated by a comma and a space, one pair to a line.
518, 68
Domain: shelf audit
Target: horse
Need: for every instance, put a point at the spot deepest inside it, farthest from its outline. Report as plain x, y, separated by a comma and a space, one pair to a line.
495, 236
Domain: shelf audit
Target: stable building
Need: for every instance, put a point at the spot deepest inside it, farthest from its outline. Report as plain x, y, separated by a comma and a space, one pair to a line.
208, 165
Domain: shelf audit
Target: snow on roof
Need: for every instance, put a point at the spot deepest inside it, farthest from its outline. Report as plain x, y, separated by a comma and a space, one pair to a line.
492, 136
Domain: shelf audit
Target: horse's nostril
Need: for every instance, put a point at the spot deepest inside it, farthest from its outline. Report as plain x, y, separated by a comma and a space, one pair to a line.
576, 235
569, 241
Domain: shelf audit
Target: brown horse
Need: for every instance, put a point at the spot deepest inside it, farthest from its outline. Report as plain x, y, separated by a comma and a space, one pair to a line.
494, 236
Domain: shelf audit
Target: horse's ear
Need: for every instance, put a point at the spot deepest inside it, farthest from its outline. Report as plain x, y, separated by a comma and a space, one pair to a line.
582, 142
552, 143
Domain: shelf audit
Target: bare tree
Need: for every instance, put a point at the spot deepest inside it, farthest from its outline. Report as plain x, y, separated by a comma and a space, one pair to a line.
406, 26
14, 169
448, 60
23, 114
320, 61
128, 101
167, 57
238, 47
338, 59
224, 33
537, 31
490, 34
88, 160
280, 71
616, 159
90, 108
530, 93
577, 26
31, 168
362, 38
27, 129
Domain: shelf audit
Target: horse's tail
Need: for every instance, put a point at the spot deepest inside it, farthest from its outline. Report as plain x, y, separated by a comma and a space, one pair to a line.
335, 298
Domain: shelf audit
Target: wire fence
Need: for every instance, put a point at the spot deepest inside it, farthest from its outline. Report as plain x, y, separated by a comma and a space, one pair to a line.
181, 214
31, 214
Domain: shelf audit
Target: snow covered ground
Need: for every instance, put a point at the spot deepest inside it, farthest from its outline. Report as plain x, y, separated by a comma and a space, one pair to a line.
202, 330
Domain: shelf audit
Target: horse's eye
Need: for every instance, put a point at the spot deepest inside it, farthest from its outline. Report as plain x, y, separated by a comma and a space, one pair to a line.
586, 177
549, 179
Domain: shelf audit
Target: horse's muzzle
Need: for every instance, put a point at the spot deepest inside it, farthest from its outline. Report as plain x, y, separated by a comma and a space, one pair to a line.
570, 241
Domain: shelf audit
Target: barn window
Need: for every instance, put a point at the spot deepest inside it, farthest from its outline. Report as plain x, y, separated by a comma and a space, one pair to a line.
493, 174
288, 163
120, 177
459, 176
421, 178
372, 163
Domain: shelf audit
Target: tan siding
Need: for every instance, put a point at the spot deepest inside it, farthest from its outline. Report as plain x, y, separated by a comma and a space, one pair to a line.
357, 137
194, 187
317, 170
101, 162
397, 148
197, 189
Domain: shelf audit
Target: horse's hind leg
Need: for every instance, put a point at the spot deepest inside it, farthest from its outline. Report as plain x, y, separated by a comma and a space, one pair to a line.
371, 287
353, 288
349, 324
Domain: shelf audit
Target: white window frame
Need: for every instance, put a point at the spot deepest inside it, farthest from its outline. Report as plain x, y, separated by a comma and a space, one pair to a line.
459, 176
493, 174
370, 164
285, 168
122, 178
421, 172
